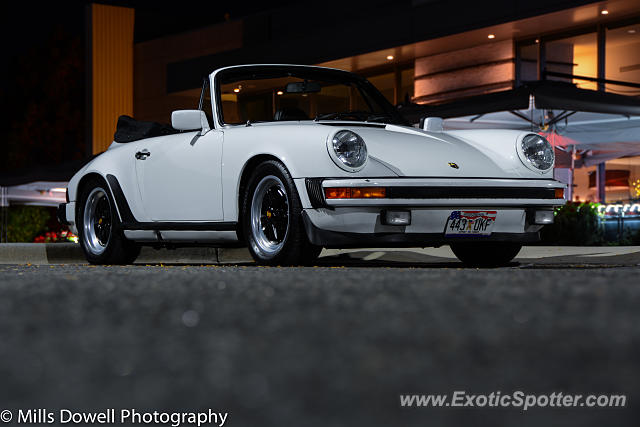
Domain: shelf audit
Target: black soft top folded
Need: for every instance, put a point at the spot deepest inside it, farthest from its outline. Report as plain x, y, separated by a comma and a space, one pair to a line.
130, 129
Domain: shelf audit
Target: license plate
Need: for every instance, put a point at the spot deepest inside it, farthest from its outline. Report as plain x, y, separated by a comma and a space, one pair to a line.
470, 223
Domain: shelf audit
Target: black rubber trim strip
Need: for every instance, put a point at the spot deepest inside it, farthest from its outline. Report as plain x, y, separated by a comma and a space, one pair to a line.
129, 222
334, 239
354, 124
126, 216
394, 192
181, 226
400, 178
61, 214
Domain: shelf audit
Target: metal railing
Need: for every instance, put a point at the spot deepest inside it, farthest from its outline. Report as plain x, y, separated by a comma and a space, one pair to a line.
547, 73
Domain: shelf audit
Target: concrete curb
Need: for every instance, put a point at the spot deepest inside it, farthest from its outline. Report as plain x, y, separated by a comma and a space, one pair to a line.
71, 253
234, 255
23, 253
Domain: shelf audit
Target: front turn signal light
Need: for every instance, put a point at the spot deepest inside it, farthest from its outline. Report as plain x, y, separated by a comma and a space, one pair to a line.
337, 193
559, 193
368, 193
355, 193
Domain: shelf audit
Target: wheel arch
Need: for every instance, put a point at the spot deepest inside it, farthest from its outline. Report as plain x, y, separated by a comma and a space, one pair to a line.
91, 175
247, 169
122, 207
82, 183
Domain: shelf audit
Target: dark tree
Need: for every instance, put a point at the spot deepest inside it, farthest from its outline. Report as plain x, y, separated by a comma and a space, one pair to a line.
43, 97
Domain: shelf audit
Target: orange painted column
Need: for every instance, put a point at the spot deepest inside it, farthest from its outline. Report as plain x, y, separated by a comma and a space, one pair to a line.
111, 70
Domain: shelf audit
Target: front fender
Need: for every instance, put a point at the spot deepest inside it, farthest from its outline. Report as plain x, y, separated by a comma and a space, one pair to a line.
119, 161
302, 148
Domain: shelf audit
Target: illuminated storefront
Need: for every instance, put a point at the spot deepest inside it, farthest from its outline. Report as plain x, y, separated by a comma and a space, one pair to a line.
600, 56
622, 182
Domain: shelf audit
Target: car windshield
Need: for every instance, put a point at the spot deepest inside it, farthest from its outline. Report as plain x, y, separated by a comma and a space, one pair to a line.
298, 93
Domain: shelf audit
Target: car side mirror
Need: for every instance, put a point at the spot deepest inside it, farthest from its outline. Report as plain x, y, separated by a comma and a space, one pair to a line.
432, 124
189, 120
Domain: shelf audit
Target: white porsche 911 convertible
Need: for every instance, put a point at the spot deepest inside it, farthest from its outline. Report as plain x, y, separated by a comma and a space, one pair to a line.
289, 159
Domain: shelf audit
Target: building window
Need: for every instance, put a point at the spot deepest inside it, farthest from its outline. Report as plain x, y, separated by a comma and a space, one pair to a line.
396, 85
577, 56
385, 83
622, 58
406, 85
528, 61
622, 181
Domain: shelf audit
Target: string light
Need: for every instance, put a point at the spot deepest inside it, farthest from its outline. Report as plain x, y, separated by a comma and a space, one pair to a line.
636, 187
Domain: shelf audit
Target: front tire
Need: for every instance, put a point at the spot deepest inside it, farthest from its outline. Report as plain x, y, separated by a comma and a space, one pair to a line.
272, 218
99, 232
486, 254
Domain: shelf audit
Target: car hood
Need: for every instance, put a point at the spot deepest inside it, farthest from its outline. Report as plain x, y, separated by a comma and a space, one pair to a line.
414, 152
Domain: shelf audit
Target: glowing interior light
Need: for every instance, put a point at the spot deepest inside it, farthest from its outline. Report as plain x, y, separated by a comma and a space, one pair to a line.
390, 57
491, 36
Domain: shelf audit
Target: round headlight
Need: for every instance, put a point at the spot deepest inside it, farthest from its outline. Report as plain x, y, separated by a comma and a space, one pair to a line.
538, 152
349, 150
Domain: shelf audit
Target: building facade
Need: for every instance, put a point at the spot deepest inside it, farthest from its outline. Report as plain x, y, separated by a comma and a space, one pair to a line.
420, 51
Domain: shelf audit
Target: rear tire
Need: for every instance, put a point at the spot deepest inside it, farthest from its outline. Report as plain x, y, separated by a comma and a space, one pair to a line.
272, 218
99, 232
486, 254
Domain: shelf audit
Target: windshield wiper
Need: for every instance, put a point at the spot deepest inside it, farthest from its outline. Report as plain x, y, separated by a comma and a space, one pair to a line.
358, 115
327, 116
377, 117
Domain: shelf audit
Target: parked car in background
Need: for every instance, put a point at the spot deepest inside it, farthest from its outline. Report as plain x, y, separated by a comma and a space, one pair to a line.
290, 159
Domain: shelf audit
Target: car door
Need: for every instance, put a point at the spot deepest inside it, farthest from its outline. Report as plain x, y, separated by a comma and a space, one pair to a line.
179, 176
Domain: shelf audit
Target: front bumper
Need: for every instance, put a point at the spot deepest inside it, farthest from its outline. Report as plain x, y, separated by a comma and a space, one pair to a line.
61, 214
341, 239
358, 222
66, 215
363, 227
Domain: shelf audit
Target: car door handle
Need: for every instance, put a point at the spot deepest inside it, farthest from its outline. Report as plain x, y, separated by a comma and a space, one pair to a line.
142, 155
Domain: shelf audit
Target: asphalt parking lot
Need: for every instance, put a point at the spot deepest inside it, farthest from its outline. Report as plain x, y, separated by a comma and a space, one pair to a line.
331, 345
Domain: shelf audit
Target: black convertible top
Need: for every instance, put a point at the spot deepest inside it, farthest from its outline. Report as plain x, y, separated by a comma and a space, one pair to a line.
130, 129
